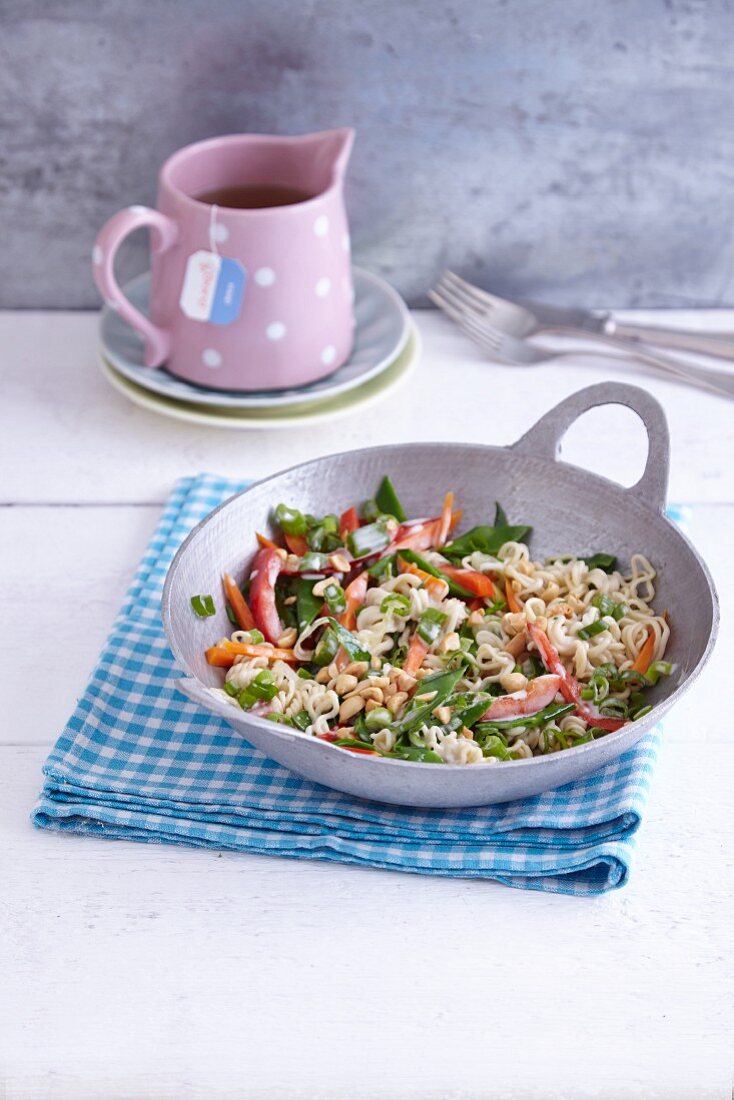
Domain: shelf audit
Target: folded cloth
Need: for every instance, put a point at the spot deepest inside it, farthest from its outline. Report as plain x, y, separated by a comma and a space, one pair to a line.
138, 761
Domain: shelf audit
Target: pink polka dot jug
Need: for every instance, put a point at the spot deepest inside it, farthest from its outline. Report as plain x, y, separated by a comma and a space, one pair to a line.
251, 284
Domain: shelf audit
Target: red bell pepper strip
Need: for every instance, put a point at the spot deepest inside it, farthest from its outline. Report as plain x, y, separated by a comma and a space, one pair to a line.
238, 603
266, 569
349, 522
355, 594
470, 579
521, 704
568, 686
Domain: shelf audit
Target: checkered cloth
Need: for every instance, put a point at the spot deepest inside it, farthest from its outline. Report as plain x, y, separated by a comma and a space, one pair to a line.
138, 761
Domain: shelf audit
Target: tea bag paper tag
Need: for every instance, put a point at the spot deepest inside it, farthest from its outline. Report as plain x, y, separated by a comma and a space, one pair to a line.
213, 288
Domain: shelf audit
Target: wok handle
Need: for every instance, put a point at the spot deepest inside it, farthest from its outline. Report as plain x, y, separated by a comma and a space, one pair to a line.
544, 438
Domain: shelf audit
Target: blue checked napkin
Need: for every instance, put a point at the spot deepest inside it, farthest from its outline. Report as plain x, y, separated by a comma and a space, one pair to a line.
138, 761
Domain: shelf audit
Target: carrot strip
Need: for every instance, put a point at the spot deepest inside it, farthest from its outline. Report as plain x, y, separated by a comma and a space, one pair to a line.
470, 579
446, 516
434, 584
416, 652
644, 657
297, 544
216, 654
265, 542
238, 603
512, 601
455, 518
355, 594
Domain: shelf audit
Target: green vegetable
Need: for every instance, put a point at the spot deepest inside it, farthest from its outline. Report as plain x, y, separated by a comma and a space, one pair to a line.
307, 605
395, 603
593, 629
387, 500
231, 615
487, 540
429, 625
500, 519
255, 637
416, 713
619, 612
322, 540
382, 569
495, 746
455, 589
606, 562
548, 714
262, 689
370, 510
326, 649
335, 598
352, 644
290, 520
350, 742
231, 688
203, 606
658, 669
640, 712
314, 563
411, 752
614, 708
468, 708
368, 540
605, 604
378, 719
304, 674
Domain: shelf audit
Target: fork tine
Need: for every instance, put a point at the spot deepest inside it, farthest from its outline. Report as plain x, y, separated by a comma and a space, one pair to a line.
481, 298
457, 300
461, 292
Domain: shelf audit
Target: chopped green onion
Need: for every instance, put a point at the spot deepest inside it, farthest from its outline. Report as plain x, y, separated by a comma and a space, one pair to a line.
330, 524
592, 629
658, 669
231, 688
351, 643
253, 637
290, 520
605, 604
640, 712
605, 562
262, 689
429, 625
494, 746
619, 612
335, 598
395, 604
304, 674
302, 720
368, 540
377, 719
614, 708
326, 649
387, 500
312, 562
203, 606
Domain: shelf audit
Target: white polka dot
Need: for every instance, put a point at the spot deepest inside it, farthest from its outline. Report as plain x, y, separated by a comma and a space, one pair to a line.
210, 357
346, 243
323, 287
321, 225
264, 276
328, 355
138, 209
219, 233
97, 254
275, 330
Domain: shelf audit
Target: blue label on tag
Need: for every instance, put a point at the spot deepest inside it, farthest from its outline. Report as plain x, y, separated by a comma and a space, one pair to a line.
229, 293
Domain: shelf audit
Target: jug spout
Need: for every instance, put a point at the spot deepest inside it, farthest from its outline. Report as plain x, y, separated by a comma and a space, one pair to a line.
326, 155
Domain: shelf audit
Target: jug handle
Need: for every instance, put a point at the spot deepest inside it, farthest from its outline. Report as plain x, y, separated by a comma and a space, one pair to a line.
163, 233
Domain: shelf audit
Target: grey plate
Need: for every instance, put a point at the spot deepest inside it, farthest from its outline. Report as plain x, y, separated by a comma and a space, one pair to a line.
568, 508
382, 331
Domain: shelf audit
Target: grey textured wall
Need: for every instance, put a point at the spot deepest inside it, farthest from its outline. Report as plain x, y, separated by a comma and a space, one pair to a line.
577, 150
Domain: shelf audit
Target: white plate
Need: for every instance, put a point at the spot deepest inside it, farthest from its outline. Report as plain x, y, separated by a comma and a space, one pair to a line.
303, 414
382, 329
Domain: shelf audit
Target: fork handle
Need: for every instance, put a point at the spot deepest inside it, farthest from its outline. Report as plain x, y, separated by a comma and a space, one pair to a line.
704, 343
718, 381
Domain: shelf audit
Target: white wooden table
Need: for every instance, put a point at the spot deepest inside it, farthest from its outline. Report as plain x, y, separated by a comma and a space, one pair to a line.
133, 970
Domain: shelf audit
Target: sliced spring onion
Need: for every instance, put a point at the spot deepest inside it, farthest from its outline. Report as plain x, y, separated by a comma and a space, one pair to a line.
640, 712
430, 624
592, 629
495, 746
203, 606
658, 669
605, 603
335, 598
262, 689
388, 502
395, 604
377, 719
290, 520
368, 540
231, 688
313, 562
619, 612
383, 568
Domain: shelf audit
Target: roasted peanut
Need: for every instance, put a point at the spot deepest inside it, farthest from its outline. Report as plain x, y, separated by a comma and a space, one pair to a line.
371, 705
356, 668
513, 681
350, 707
340, 563
288, 637
396, 701
450, 643
443, 714
345, 683
323, 676
320, 587
366, 691
516, 645
426, 696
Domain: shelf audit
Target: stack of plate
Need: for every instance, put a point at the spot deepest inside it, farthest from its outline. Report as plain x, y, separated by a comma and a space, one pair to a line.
386, 347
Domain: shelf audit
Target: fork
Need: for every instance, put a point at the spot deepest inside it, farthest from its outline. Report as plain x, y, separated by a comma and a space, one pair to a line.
531, 317
509, 349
